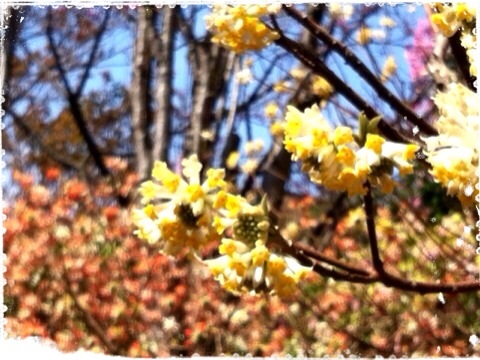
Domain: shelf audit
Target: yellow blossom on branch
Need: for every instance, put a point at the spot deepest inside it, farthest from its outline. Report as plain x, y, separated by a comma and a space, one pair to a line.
239, 28
453, 154
321, 87
334, 159
178, 210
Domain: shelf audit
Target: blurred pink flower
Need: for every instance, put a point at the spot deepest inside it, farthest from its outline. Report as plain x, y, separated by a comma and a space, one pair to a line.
417, 54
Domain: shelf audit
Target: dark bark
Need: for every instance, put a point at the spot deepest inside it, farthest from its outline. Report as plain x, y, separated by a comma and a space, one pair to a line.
164, 83
140, 92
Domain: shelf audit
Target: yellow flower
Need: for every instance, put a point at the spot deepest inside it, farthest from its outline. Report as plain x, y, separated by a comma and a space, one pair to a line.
271, 110
178, 211
282, 86
342, 135
239, 28
332, 158
342, 11
450, 18
232, 160
387, 22
374, 142
389, 68
453, 154
243, 269
276, 129
363, 35
253, 147
465, 12
345, 155
321, 87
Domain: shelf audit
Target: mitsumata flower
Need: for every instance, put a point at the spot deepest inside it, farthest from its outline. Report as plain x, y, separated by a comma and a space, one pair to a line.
334, 158
239, 28
462, 16
453, 154
178, 210
449, 19
182, 212
246, 263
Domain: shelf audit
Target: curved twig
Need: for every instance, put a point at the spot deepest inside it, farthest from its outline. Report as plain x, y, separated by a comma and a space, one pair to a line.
310, 60
320, 33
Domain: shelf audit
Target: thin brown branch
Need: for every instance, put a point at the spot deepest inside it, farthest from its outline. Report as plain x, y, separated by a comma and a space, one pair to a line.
310, 60
372, 234
66, 163
393, 281
314, 254
73, 102
91, 59
321, 34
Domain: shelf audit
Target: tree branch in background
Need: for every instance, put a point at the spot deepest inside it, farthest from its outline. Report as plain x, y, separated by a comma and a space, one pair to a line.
91, 59
68, 164
73, 102
310, 60
321, 34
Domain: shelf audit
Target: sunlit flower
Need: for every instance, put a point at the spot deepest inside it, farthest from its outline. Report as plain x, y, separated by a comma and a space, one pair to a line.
389, 68
178, 211
340, 11
257, 270
254, 146
334, 159
469, 42
271, 110
250, 166
366, 34
282, 86
232, 160
239, 28
244, 76
276, 128
321, 87
246, 263
449, 19
453, 154
298, 73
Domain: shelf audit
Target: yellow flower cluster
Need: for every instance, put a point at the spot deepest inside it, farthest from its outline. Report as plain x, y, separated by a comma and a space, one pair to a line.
239, 28
183, 213
338, 160
453, 154
450, 18
246, 264
321, 87
178, 210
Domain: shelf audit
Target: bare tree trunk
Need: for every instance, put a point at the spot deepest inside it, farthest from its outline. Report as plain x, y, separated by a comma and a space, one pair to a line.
209, 63
140, 91
164, 83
